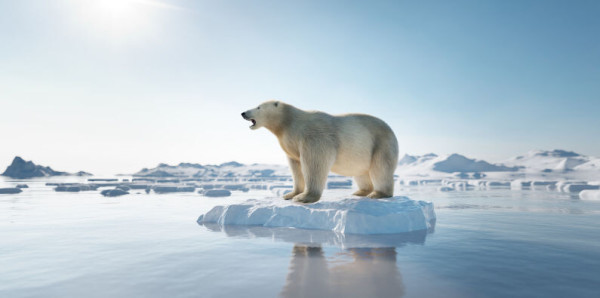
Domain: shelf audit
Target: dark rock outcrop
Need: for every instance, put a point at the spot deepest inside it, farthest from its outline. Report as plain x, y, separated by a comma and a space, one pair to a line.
21, 169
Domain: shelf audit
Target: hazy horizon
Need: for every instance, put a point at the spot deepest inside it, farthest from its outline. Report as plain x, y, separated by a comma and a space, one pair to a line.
118, 85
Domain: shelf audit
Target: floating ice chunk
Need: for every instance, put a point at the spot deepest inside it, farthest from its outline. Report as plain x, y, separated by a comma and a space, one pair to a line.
217, 193
445, 188
579, 187
161, 189
497, 184
349, 216
520, 184
10, 190
590, 195
113, 192
240, 187
565, 186
542, 184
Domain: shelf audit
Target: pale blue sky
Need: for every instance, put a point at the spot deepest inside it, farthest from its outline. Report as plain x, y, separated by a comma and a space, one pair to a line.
113, 86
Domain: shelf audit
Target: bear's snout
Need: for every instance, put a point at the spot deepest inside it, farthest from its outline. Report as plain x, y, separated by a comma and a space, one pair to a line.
244, 115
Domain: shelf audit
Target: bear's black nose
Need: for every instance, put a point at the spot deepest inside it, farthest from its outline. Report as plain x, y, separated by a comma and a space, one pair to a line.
244, 115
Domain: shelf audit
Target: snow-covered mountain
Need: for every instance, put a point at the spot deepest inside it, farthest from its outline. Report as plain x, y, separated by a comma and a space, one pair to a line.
549, 161
430, 164
229, 169
556, 164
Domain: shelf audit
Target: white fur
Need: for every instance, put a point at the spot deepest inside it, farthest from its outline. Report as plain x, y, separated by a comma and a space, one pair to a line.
315, 143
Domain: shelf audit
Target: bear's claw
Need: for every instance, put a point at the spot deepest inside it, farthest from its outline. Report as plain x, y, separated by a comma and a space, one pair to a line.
306, 198
362, 193
290, 195
378, 195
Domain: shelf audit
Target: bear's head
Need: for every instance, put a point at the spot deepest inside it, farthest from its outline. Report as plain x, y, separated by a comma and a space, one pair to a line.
268, 114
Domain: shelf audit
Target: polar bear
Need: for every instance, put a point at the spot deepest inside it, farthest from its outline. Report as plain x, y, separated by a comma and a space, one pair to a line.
316, 143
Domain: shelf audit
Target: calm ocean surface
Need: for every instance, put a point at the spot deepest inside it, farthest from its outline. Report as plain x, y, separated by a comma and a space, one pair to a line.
498, 243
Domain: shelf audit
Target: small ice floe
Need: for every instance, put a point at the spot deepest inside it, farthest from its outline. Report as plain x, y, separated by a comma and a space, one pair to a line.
576, 188
159, 189
496, 184
238, 187
113, 192
408, 182
102, 180
520, 184
592, 195
75, 187
457, 185
139, 186
217, 193
351, 216
445, 188
10, 190
258, 186
549, 185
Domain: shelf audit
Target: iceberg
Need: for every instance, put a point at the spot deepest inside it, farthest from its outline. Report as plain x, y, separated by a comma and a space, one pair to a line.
592, 195
348, 216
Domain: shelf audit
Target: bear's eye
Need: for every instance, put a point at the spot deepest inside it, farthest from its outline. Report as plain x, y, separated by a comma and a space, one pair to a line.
258, 108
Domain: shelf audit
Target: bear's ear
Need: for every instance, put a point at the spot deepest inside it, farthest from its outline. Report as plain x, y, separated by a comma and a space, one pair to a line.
276, 104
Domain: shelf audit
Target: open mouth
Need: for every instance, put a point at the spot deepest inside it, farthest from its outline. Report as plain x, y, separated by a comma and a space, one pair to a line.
253, 123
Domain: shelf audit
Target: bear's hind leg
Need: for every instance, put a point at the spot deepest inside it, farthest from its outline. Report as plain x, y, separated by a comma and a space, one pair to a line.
365, 186
382, 175
298, 179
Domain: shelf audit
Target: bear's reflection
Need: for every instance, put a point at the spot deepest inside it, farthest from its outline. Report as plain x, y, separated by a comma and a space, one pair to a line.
366, 266
372, 272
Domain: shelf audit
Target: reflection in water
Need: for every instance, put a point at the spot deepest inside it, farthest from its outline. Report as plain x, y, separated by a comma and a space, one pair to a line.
365, 267
321, 237
371, 273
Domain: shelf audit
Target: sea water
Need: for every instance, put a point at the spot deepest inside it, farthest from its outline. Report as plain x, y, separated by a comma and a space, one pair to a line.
497, 243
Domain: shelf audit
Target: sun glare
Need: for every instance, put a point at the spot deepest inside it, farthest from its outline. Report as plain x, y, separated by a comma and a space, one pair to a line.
120, 21
115, 9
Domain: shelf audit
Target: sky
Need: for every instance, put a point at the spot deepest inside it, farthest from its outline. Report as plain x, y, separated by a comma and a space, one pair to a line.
114, 86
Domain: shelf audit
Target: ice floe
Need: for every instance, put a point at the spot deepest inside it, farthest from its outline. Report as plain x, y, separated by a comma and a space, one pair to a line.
349, 216
590, 195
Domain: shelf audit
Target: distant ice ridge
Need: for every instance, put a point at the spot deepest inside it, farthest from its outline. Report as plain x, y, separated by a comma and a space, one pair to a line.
348, 216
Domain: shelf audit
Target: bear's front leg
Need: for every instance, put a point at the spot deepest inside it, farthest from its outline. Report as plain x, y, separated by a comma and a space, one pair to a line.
316, 162
298, 179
